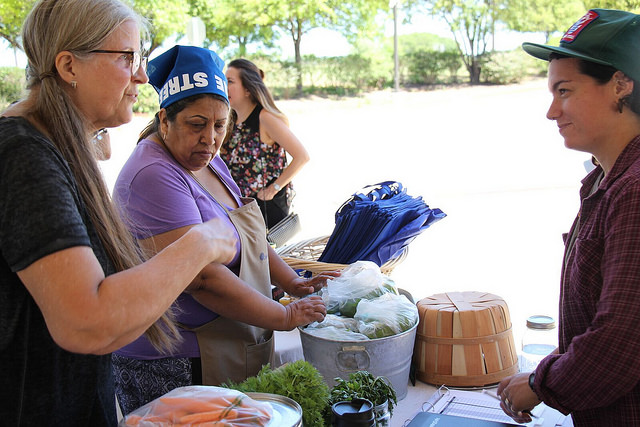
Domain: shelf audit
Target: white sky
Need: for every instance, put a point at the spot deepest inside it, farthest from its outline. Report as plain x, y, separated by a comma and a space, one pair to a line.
323, 42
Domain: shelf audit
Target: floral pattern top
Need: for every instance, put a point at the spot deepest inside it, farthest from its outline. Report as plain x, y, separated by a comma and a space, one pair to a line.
253, 164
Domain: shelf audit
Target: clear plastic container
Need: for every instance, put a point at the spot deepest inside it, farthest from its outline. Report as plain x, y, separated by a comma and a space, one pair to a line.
539, 339
383, 416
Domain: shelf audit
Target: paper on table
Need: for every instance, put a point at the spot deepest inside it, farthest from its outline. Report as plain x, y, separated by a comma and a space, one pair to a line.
471, 404
430, 419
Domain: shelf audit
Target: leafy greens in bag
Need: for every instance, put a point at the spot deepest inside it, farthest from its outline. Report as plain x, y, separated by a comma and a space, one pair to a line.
358, 281
387, 315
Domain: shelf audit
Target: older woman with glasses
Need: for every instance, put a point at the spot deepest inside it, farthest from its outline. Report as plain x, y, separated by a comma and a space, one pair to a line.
74, 287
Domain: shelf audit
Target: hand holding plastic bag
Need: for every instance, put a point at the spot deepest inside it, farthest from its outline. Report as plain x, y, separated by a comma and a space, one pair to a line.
200, 405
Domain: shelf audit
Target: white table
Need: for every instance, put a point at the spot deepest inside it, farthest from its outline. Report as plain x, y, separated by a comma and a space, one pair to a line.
412, 403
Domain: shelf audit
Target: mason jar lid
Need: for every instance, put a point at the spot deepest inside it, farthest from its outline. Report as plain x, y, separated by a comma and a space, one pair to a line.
541, 322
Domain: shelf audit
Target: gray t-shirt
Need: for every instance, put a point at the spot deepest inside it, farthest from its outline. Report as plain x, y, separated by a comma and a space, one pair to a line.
41, 212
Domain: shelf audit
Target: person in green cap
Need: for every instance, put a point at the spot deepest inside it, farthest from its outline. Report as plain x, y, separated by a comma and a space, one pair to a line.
594, 374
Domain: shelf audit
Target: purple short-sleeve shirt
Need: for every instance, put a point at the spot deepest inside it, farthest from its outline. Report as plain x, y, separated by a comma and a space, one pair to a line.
156, 195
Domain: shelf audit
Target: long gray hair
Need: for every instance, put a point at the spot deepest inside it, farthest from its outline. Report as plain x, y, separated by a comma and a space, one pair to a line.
80, 26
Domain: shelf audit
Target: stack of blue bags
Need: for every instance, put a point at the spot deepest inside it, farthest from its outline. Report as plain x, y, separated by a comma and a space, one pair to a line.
376, 224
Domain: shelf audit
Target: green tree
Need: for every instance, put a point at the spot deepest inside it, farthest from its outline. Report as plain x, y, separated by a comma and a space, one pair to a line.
546, 16
167, 18
296, 17
235, 22
470, 22
12, 15
628, 5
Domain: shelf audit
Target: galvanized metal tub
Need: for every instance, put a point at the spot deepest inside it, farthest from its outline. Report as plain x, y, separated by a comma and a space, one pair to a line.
388, 357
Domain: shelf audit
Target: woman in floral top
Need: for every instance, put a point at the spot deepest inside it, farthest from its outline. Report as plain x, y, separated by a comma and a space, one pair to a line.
256, 151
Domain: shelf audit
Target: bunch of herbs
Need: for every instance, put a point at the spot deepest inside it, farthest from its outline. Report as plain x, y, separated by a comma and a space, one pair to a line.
362, 384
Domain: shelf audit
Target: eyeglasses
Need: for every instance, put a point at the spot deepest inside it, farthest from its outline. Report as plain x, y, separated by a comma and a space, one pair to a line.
99, 135
135, 59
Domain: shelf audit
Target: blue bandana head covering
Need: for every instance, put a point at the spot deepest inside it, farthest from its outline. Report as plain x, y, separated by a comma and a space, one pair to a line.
184, 71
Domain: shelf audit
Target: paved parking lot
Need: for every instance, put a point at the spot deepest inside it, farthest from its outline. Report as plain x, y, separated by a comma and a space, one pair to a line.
485, 155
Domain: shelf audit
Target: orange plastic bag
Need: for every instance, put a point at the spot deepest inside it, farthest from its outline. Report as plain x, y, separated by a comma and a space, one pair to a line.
199, 406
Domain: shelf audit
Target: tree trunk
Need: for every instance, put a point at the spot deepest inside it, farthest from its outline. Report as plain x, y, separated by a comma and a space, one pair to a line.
547, 36
296, 43
474, 71
242, 47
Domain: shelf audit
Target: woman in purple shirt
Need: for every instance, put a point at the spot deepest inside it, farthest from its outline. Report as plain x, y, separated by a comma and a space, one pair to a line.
173, 181
594, 77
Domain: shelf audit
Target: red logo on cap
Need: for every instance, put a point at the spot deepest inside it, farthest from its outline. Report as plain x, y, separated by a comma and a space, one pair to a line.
577, 28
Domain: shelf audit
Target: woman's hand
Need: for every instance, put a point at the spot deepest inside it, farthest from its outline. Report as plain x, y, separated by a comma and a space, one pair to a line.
221, 291
304, 311
516, 397
301, 286
266, 193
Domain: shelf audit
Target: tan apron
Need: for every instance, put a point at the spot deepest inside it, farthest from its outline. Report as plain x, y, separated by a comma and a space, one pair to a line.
231, 350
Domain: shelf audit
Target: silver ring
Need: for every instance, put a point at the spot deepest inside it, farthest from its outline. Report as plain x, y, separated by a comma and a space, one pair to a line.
507, 403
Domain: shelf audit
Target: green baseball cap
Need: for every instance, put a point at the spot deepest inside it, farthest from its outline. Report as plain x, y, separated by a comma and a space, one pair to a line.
603, 36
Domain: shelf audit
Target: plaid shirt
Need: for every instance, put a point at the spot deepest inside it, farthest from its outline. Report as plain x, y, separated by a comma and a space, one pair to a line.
596, 376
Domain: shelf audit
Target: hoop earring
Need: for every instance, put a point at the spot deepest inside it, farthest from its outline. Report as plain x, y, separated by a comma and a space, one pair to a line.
74, 84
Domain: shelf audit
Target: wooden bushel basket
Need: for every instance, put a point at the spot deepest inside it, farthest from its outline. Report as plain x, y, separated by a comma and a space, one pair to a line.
464, 339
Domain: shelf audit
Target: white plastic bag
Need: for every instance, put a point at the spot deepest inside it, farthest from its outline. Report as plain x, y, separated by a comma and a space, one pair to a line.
358, 281
336, 334
200, 405
338, 322
387, 315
